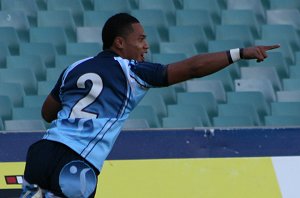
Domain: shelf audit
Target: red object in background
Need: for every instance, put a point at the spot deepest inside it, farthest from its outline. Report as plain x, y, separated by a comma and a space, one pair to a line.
11, 180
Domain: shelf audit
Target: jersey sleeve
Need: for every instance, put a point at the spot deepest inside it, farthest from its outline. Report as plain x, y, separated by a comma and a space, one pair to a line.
56, 90
154, 74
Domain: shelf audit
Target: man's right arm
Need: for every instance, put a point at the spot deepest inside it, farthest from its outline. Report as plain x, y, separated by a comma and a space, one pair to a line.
50, 108
52, 104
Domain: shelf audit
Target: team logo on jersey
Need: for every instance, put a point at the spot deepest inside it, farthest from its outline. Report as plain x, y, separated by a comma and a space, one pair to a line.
13, 179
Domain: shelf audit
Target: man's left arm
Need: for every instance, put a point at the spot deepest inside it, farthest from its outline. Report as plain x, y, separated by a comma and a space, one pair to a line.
205, 64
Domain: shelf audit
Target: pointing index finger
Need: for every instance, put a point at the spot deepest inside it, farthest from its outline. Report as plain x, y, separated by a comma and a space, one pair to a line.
270, 47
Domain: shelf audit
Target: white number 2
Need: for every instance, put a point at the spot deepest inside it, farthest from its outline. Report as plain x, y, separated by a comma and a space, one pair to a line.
97, 86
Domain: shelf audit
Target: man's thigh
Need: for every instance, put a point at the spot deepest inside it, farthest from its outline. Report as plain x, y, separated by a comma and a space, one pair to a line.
54, 167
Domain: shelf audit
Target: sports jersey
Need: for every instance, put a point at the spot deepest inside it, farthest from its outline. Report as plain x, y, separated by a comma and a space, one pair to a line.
97, 94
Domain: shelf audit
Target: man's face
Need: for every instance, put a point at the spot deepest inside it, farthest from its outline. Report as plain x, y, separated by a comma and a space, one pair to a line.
135, 44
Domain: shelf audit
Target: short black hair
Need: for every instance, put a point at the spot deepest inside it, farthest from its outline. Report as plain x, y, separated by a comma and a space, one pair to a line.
117, 25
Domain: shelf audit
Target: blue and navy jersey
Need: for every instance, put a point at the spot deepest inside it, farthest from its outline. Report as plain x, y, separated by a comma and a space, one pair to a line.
97, 94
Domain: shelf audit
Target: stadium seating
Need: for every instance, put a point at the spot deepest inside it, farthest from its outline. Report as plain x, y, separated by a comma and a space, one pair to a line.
134, 3
6, 108
4, 52
24, 125
15, 91
279, 31
255, 5
189, 111
224, 76
17, 20
41, 4
84, 49
238, 109
167, 6
166, 58
291, 84
294, 72
44, 87
222, 45
28, 61
241, 17
206, 99
232, 32
180, 87
233, 121
63, 61
215, 87
148, 113
56, 36
1, 125
282, 121
189, 34
28, 7
40, 38
210, 5
74, 6
203, 19
136, 124
284, 16
297, 57
9, 37
181, 122
167, 93
288, 96
266, 4
88, 34
287, 4
58, 18
26, 113
157, 102
112, 5
262, 73
45, 50
23, 76
53, 73
34, 100
254, 98
96, 18
188, 49
285, 108
262, 85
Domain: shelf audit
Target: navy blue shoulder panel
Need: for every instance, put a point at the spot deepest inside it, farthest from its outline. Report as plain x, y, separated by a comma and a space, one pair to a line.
154, 74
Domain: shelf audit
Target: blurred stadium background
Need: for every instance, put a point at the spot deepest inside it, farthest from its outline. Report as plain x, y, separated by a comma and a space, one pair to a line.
39, 38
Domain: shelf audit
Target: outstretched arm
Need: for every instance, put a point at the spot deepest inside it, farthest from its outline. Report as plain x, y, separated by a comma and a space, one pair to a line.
205, 64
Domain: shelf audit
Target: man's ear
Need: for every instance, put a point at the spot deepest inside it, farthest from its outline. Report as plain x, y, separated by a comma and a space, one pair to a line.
119, 42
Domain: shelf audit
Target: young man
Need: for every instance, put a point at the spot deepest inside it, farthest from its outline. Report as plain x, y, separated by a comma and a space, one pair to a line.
92, 99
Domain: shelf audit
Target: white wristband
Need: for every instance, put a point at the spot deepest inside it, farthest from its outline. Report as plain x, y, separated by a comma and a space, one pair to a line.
235, 54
